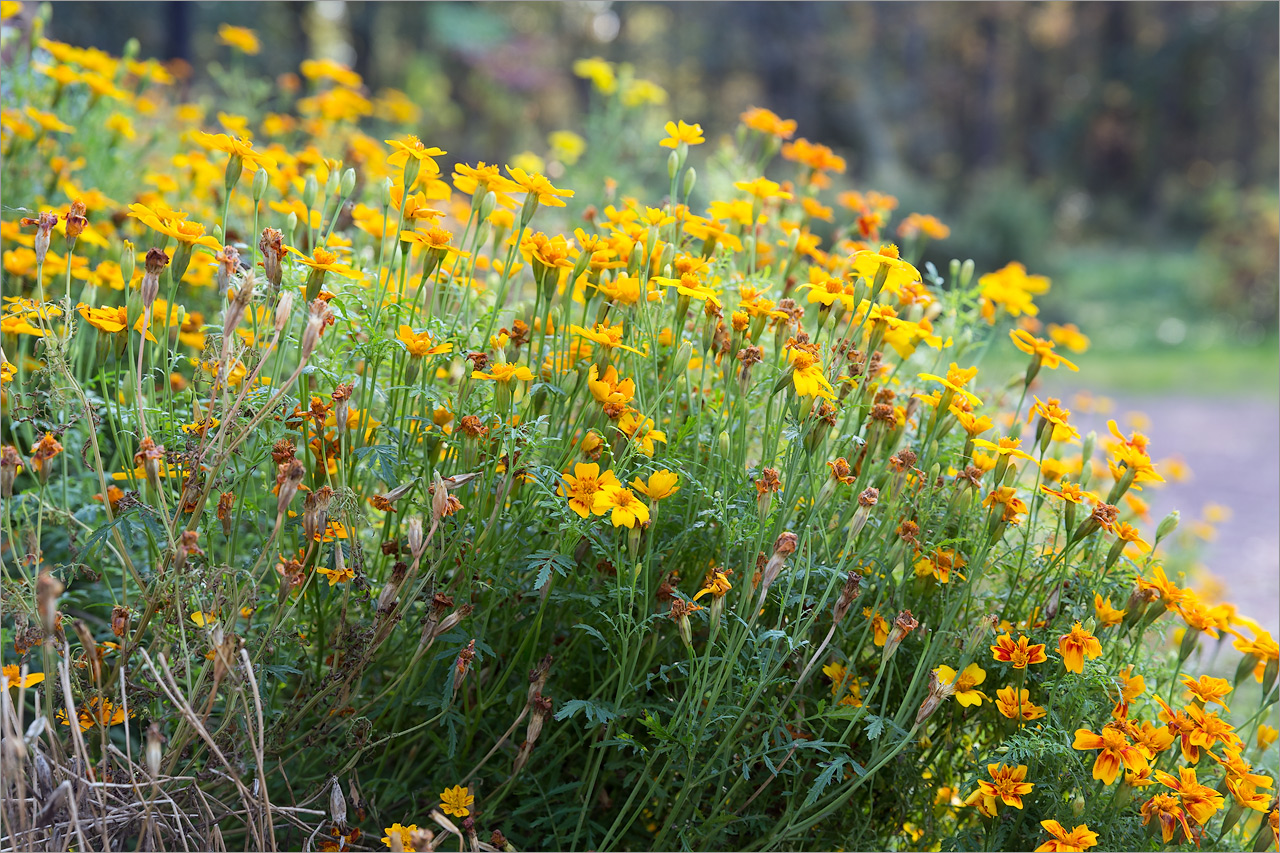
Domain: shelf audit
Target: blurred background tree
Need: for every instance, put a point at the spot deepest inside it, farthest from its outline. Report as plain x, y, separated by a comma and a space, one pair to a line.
1128, 150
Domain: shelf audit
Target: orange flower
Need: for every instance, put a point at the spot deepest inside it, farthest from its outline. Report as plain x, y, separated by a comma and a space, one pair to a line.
1039, 348
1079, 839
1007, 785
1075, 645
1019, 654
1116, 750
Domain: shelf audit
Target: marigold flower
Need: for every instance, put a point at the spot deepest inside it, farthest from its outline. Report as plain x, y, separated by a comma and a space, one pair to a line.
690, 134
1020, 654
242, 39
420, 344
455, 801
1167, 809
1079, 839
1199, 801
939, 565
1040, 349
1207, 690
502, 371
844, 684
405, 834
582, 487
1115, 751
1008, 785
1016, 704
767, 122
965, 684
12, 677
1106, 613
662, 484
537, 185
1076, 645
717, 585
640, 430
624, 508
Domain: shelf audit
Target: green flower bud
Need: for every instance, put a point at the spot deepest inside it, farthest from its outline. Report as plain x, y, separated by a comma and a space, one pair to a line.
966, 273
260, 183
488, 204
310, 188
690, 178
348, 183
1167, 525
673, 165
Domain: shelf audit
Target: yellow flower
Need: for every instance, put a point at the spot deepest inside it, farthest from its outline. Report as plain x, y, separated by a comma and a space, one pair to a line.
1014, 704
174, 224
1039, 348
761, 188
716, 585
502, 371
337, 576
323, 259
13, 677
405, 833
412, 146
690, 134
1115, 750
420, 344
1107, 615
662, 484
235, 146
640, 430
454, 801
242, 39
1207, 690
599, 72
1079, 839
626, 510
807, 376
202, 618
605, 335
48, 122
566, 146
582, 487
536, 185
966, 691
1075, 645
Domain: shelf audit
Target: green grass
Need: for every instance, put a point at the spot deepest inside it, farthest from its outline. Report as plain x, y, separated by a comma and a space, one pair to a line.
1216, 371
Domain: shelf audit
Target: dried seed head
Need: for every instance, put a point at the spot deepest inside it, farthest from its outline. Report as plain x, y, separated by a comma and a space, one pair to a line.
76, 220
236, 310
848, 594
315, 512
417, 542
44, 227
156, 261
288, 476
939, 691
903, 625
271, 244
869, 498
284, 310
48, 588
319, 317
10, 462
119, 620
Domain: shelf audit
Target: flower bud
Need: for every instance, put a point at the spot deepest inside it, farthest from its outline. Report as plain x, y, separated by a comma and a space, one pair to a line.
347, 184
1167, 525
673, 165
385, 196
284, 309
156, 262
310, 188
127, 263
966, 273
260, 183
690, 178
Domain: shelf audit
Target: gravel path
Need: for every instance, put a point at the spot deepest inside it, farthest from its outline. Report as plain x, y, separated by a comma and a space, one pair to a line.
1231, 448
